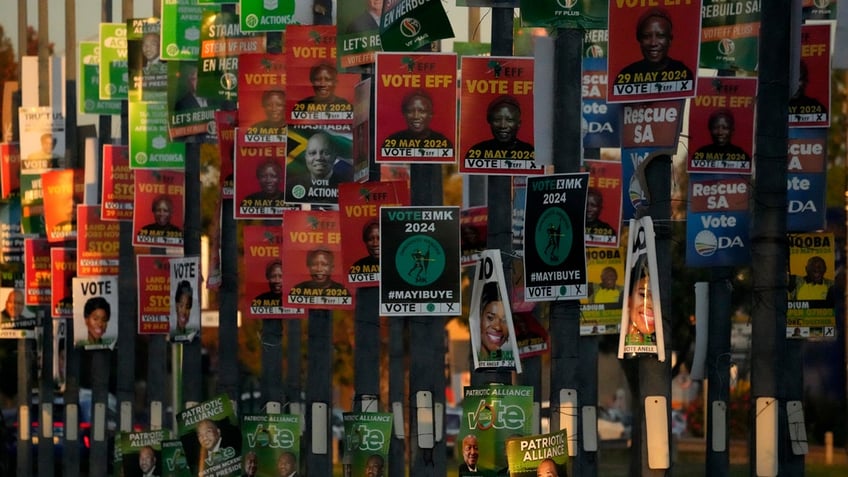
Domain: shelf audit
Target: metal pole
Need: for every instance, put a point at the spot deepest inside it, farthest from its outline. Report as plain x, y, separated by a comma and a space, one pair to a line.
319, 397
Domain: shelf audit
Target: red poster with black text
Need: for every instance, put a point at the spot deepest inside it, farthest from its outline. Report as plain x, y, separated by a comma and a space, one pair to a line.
226, 121
360, 220
154, 290
496, 116
721, 126
653, 50
317, 95
63, 267
118, 184
63, 189
260, 177
263, 289
10, 169
98, 243
312, 251
262, 97
37, 272
415, 101
808, 106
159, 206
603, 204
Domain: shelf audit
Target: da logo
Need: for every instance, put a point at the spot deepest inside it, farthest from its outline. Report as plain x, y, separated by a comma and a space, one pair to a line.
726, 47
410, 27
707, 243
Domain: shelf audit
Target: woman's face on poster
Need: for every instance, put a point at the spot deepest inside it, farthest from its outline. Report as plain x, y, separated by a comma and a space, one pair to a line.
493, 329
642, 306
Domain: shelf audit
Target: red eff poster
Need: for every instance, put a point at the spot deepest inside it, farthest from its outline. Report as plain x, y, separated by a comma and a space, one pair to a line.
416, 107
226, 125
496, 132
154, 286
721, 126
360, 208
98, 249
603, 204
808, 105
264, 287
262, 97
312, 250
260, 178
37, 271
10, 169
158, 217
63, 267
63, 189
118, 183
317, 94
653, 50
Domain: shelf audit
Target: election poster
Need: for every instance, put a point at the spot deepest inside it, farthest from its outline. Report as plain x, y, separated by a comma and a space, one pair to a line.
493, 337
538, 455
180, 30
154, 291
37, 271
63, 268
416, 107
812, 297
259, 178
88, 84
226, 122
318, 96
11, 235
600, 126
319, 160
174, 462
603, 203
641, 314
148, 74
409, 25
262, 97
42, 145
264, 290
367, 438
270, 444
159, 208
653, 51
721, 126
806, 179
118, 184
98, 243
808, 105
491, 415
63, 190
311, 250
818, 9
150, 146
185, 304
358, 33
554, 250
360, 220
361, 135
269, 15
95, 306
113, 61
17, 320
473, 230
499, 91
564, 14
718, 221
730, 35
652, 124
600, 311
141, 452
32, 205
10, 170
211, 439
419, 261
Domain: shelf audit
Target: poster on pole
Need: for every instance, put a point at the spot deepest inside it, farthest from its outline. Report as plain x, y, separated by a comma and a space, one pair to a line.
118, 185
63, 190
37, 271
806, 179
264, 291
419, 261
493, 338
154, 290
641, 315
808, 105
270, 444
98, 243
114, 71
554, 249
185, 301
812, 297
95, 306
600, 311
63, 265
540, 455
141, 452
211, 438
367, 438
159, 208
88, 82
